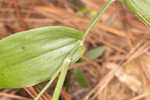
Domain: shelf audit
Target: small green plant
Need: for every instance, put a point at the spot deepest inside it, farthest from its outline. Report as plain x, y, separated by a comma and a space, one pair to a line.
31, 57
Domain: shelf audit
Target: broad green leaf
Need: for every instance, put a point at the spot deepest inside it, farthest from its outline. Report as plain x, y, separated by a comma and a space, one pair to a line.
95, 53
141, 8
31, 57
79, 76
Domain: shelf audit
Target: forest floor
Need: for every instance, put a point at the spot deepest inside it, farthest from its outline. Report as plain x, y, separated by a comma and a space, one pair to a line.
121, 73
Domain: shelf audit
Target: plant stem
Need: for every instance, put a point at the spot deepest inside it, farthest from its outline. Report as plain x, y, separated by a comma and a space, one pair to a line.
97, 17
61, 79
48, 84
63, 73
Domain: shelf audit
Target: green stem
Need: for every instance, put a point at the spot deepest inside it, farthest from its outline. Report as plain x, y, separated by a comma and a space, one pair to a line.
97, 17
66, 64
48, 84
63, 71
61, 79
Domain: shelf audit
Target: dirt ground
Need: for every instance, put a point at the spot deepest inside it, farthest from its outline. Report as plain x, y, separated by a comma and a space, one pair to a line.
122, 73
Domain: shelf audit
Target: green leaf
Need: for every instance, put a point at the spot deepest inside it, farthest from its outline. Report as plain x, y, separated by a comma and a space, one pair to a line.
95, 53
141, 8
79, 76
31, 57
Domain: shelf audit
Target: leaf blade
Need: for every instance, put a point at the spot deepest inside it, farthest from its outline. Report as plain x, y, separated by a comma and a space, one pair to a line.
34, 56
140, 8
